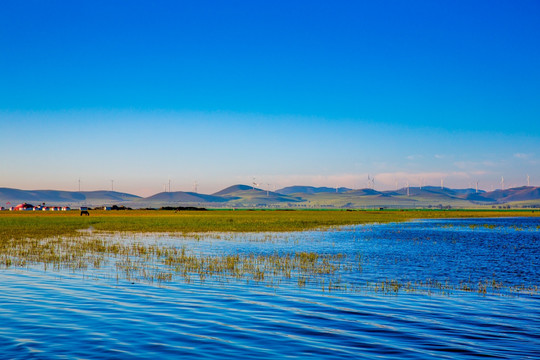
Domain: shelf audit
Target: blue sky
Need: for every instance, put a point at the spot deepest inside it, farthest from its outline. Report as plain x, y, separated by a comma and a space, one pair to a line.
312, 93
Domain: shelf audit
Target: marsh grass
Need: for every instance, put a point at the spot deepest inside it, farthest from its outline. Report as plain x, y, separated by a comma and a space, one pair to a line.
55, 242
136, 261
127, 258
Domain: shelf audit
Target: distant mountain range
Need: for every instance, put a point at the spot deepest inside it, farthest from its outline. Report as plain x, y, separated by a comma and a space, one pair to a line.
288, 197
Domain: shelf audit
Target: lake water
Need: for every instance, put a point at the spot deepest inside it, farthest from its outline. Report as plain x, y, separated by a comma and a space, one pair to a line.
92, 314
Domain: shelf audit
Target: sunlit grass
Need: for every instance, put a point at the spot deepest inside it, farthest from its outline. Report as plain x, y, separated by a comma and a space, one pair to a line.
19, 225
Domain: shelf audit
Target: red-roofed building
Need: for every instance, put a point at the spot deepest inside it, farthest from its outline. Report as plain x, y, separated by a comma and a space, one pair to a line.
24, 206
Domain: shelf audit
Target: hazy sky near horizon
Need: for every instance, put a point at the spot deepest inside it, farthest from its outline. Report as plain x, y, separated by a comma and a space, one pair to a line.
286, 92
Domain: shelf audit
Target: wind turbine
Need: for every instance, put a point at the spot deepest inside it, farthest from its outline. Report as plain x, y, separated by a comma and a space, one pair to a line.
255, 184
502, 182
408, 193
442, 184
477, 186
195, 187
528, 181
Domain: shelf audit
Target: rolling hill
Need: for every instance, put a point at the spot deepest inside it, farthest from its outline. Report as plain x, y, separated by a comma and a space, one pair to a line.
181, 196
294, 196
242, 195
523, 193
310, 190
62, 197
229, 191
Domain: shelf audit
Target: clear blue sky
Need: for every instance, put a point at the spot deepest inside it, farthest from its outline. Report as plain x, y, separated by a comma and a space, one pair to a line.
312, 93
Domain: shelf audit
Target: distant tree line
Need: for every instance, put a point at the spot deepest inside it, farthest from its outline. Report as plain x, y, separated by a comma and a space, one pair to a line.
182, 208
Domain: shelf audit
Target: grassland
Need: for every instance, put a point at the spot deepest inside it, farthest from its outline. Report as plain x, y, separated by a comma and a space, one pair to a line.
26, 224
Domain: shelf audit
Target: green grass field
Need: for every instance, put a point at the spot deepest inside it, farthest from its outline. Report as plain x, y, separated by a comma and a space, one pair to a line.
18, 225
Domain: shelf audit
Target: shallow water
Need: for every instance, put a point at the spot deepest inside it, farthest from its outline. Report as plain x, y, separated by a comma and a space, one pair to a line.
47, 314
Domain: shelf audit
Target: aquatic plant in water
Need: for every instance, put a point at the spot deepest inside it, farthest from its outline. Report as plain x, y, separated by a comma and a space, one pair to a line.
128, 258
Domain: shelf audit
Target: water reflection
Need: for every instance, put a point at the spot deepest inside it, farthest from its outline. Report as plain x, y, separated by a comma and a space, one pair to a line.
89, 313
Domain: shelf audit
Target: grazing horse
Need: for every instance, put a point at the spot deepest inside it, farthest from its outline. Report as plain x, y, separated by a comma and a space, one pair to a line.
85, 212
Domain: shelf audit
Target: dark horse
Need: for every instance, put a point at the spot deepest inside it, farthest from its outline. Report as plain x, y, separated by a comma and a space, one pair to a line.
85, 212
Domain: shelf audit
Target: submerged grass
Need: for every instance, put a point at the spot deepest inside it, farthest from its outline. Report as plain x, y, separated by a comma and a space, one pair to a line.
136, 261
123, 258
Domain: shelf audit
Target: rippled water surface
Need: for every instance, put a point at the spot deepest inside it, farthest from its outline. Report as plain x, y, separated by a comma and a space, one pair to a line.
63, 314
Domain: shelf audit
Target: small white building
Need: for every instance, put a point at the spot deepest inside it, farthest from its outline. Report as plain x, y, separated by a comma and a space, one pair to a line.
106, 208
66, 208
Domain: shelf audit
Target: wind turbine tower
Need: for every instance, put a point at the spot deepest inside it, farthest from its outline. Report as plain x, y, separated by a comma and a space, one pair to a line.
408, 192
477, 186
195, 187
528, 181
502, 182
442, 184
